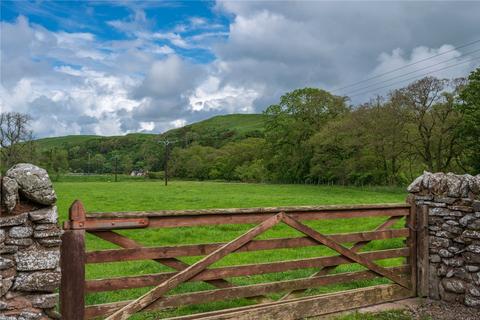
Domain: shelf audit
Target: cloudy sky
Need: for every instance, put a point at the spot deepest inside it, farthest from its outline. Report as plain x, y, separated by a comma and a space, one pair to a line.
114, 67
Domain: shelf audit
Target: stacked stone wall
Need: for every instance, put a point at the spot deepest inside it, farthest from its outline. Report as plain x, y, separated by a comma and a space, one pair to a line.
453, 207
29, 245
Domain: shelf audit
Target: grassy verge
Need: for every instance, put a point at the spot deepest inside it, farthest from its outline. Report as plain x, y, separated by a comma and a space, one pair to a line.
134, 195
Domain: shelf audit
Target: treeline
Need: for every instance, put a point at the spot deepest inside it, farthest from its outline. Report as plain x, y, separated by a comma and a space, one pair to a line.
120, 154
96, 155
312, 136
309, 136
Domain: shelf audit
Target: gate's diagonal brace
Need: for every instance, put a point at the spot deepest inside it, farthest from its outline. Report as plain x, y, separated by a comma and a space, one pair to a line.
186, 274
344, 251
356, 247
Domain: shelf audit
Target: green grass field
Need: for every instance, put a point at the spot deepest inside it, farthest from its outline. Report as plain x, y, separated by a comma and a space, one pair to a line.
134, 195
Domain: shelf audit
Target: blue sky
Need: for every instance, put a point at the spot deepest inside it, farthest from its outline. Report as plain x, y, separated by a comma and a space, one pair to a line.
110, 20
114, 67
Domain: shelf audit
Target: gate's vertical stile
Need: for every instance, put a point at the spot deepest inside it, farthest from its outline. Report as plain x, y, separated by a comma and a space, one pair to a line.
72, 295
411, 223
422, 250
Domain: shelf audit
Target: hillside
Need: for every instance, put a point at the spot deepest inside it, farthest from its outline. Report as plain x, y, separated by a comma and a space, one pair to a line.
90, 153
57, 142
219, 130
242, 123
215, 131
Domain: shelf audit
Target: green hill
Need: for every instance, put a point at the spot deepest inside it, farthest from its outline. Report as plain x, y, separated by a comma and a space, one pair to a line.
214, 131
90, 153
242, 123
219, 130
57, 142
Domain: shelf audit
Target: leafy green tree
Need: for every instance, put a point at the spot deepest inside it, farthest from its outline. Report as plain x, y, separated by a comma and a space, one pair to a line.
126, 164
469, 128
195, 162
99, 161
55, 161
253, 171
432, 119
235, 154
152, 154
289, 126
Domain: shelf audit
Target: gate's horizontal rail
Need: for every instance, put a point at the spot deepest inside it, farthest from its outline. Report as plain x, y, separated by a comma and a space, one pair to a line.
112, 284
147, 253
309, 306
288, 210
243, 291
184, 218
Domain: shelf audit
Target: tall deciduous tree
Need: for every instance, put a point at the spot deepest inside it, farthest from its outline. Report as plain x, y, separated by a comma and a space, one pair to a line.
289, 126
433, 118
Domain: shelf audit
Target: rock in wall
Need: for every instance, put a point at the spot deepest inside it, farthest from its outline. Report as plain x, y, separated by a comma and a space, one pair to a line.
29, 245
453, 208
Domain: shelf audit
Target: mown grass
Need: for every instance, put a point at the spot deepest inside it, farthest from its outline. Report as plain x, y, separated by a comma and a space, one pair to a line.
132, 195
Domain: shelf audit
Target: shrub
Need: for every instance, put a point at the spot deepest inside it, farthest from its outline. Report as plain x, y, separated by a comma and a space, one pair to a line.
156, 175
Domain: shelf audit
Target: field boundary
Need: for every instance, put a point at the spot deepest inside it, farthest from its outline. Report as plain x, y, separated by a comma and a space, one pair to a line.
347, 245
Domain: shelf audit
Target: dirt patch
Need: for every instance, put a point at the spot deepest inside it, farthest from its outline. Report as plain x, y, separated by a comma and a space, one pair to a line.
411, 309
434, 310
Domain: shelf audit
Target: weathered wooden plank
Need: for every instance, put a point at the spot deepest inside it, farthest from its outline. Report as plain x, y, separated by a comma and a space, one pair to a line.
238, 271
310, 306
355, 247
174, 263
143, 253
411, 223
237, 292
218, 219
344, 251
194, 269
422, 251
289, 210
107, 224
72, 263
242, 291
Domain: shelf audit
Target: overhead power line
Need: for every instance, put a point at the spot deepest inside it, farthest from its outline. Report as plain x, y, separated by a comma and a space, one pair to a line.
405, 66
415, 77
414, 71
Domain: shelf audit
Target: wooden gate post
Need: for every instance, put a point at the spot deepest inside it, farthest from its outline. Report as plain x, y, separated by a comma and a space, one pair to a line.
72, 289
422, 251
411, 224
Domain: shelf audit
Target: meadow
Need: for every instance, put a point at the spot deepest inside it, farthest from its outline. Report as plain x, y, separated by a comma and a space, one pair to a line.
101, 194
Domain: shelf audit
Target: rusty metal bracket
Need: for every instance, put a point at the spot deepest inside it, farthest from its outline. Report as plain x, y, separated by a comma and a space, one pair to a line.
107, 224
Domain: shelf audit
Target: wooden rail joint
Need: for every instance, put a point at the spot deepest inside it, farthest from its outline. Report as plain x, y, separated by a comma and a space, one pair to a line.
107, 224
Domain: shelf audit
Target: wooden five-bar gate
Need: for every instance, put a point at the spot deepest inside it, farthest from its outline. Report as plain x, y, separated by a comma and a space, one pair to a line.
291, 305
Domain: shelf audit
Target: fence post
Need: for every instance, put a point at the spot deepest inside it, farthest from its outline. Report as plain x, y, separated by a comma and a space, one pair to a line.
72, 289
422, 251
411, 223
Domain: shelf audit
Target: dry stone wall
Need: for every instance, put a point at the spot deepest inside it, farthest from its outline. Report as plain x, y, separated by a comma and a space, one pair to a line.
453, 207
29, 245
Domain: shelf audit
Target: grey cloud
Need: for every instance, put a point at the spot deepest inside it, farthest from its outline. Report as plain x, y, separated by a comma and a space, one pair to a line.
88, 85
330, 44
169, 77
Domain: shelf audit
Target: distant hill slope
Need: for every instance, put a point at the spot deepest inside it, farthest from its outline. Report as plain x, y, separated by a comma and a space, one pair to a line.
215, 131
242, 123
56, 142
